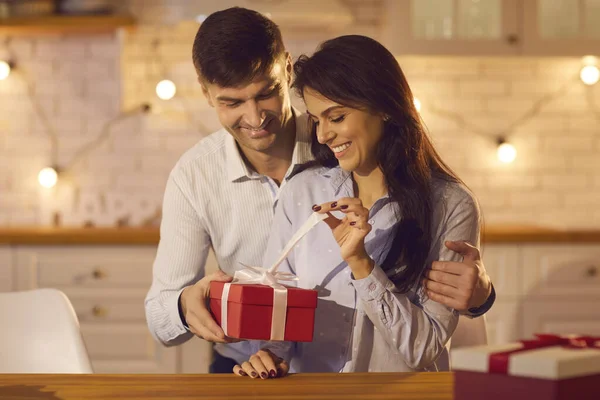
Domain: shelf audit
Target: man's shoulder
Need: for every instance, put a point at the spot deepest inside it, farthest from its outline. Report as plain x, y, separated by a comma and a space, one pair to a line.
210, 146
208, 151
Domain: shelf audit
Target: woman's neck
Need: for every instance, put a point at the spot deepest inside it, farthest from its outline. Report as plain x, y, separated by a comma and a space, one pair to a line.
369, 187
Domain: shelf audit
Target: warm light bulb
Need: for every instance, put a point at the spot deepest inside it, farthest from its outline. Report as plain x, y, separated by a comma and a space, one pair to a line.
506, 153
48, 177
166, 89
589, 74
417, 104
4, 70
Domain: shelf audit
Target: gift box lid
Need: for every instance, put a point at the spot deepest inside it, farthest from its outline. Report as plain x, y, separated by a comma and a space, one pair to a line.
555, 362
263, 295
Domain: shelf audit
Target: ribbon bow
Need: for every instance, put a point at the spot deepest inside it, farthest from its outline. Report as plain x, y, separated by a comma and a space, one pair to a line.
499, 361
270, 277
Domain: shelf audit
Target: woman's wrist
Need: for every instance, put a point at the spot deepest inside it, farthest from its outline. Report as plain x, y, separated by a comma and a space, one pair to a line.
361, 266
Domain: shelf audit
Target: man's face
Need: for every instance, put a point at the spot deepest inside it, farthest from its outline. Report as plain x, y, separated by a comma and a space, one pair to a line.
255, 112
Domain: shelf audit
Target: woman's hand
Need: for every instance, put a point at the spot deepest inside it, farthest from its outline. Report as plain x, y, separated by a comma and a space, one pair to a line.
264, 364
350, 232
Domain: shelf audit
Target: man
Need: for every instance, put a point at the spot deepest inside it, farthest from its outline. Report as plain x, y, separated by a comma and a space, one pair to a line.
221, 192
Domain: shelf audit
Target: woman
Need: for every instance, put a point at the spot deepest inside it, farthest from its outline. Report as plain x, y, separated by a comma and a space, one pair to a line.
390, 203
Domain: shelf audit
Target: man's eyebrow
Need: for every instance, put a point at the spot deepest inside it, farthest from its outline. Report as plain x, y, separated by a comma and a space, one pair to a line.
272, 85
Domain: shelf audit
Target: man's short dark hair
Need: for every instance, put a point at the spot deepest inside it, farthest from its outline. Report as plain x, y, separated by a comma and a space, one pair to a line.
235, 45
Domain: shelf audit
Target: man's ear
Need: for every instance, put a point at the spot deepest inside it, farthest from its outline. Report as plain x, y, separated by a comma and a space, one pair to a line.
205, 92
289, 68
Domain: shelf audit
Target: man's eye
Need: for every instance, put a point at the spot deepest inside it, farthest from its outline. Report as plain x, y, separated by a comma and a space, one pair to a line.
267, 95
232, 105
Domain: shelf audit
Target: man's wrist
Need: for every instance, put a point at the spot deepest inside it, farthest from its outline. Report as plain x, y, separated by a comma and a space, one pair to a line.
181, 312
482, 309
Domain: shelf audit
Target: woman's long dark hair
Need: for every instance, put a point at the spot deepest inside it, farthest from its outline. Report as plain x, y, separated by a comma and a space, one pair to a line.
359, 72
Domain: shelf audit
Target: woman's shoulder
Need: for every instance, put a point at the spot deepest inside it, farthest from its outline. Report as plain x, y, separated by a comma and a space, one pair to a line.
309, 174
453, 194
307, 179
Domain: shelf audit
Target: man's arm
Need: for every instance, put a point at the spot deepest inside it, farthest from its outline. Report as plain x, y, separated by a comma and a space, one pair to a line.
180, 262
465, 285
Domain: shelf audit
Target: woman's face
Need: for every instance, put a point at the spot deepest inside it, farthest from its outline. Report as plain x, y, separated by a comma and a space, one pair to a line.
351, 134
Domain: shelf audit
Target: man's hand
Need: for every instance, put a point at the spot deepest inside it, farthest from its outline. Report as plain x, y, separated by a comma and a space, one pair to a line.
460, 285
193, 301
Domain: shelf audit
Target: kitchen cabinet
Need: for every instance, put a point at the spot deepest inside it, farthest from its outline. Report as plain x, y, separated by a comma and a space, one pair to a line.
492, 27
545, 280
543, 288
457, 27
561, 27
107, 286
6, 269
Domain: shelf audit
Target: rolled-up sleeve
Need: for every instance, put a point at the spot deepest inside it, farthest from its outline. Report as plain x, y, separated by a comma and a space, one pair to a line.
419, 328
180, 261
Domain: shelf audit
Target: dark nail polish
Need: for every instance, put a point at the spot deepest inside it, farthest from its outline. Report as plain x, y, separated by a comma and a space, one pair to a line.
263, 375
353, 223
334, 204
254, 374
242, 373
273, 373
344, 207
316, 208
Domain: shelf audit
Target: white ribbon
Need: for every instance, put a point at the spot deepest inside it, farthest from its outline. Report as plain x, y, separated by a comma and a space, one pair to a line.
270, 277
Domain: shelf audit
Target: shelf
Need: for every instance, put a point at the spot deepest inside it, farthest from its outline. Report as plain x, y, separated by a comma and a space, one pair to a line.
151, 235
61, 24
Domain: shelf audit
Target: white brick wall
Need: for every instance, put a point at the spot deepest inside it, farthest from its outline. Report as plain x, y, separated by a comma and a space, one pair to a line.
81, 82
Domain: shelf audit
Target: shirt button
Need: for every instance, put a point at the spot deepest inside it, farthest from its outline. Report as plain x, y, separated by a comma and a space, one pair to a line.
371, 221
372, 286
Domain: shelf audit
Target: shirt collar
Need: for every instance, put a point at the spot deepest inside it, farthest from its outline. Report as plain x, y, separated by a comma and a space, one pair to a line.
237, 168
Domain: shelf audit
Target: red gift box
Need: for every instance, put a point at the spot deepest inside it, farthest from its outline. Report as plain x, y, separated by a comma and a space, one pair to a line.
549, 367
250, 311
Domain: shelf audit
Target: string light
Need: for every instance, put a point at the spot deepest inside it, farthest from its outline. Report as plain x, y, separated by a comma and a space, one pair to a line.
590, 74
5, 68
506, 152
417, 103
48, 177
166, 89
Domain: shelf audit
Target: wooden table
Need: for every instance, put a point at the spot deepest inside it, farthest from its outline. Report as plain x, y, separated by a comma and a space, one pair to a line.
363, 386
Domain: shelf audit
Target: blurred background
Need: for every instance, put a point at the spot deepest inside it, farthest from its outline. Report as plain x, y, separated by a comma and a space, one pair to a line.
99, 98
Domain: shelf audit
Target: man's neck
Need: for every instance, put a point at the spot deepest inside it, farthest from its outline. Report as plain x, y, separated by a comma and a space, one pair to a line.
278, 159
369, 187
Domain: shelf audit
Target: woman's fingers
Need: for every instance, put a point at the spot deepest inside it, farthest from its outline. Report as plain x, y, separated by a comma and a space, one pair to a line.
239, 371
268, 360
248, 368
348, 205
259, 366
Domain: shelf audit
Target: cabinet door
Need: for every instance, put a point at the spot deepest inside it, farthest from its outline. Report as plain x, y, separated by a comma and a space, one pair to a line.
503, 322
561, 271
454, 27
502, 265
561, 27
561, 317
106, 286
6, 269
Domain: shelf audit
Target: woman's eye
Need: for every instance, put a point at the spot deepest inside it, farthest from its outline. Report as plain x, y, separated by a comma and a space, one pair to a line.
338, 119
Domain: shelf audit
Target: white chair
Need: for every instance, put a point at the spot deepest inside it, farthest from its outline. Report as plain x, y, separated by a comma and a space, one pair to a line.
469, 332
40, 333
